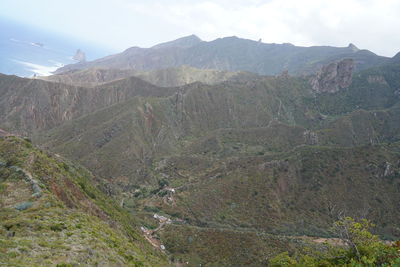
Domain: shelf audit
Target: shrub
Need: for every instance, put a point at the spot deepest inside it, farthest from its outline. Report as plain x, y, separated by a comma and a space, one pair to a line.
58, 227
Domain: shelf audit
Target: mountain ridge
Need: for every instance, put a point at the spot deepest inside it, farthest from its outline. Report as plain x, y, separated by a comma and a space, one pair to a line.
221, 167
170, 77
30, 105
234, 54
183, 42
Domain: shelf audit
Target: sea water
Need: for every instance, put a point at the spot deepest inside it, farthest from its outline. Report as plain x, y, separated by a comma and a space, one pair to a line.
26, 51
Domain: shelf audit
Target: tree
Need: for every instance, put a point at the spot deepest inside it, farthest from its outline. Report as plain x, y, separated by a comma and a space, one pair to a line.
356, 235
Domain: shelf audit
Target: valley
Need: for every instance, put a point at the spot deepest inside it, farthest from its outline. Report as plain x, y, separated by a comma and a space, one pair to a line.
191, 153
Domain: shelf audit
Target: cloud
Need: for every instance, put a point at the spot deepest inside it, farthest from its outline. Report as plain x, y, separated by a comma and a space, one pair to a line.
370, 24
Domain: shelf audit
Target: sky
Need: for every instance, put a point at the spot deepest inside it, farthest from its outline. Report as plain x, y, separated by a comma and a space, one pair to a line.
119, 24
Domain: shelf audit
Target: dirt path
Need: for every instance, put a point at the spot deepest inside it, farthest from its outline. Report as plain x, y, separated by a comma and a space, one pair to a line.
148, 234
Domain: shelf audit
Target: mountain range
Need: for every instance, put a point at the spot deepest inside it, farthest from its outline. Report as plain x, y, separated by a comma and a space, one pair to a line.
224, 153
231, 54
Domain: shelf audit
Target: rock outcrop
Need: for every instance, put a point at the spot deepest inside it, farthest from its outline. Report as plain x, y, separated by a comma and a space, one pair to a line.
353, 47
333, 77
79, 56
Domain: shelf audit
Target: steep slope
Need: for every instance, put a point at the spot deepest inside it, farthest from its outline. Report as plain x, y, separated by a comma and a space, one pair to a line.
268, 198
184, 75
168, 125
89, 77
51, 213
143, 128
278, 114
298, 192
170, 77
251, 159
268, 156
231, 54
29, 105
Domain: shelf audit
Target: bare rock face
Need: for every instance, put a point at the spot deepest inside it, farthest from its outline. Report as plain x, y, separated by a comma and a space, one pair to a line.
333, 77
79, 56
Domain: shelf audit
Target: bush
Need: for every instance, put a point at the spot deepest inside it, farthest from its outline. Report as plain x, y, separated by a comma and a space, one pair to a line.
57, 227
162, 183
282, 260
23, 206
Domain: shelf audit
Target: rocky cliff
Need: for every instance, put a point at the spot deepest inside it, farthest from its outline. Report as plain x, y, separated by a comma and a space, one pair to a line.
29, 105
333, 77
79, 56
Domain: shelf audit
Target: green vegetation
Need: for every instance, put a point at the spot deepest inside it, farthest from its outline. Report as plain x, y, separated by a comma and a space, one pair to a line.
360, 248
229, 247
246, 169
169, 77
70, 222
268, 156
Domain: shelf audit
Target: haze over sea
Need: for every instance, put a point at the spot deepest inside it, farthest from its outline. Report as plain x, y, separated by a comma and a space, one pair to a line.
26, 51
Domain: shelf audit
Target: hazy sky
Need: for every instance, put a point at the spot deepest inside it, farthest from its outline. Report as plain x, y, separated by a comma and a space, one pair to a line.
119, 24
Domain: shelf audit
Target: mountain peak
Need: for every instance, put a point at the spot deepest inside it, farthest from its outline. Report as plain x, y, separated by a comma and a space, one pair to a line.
79, 56
183, 42
396, 57
192, 36
353, 47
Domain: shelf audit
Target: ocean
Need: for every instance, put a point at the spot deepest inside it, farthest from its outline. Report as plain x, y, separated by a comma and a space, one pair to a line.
26, 51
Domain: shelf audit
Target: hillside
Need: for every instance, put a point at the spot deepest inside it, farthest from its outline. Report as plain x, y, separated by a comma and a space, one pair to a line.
272, 157
168, 125
143, 128
231, 54
30, 105
170, 77
88, 77
219, 165
51, 214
